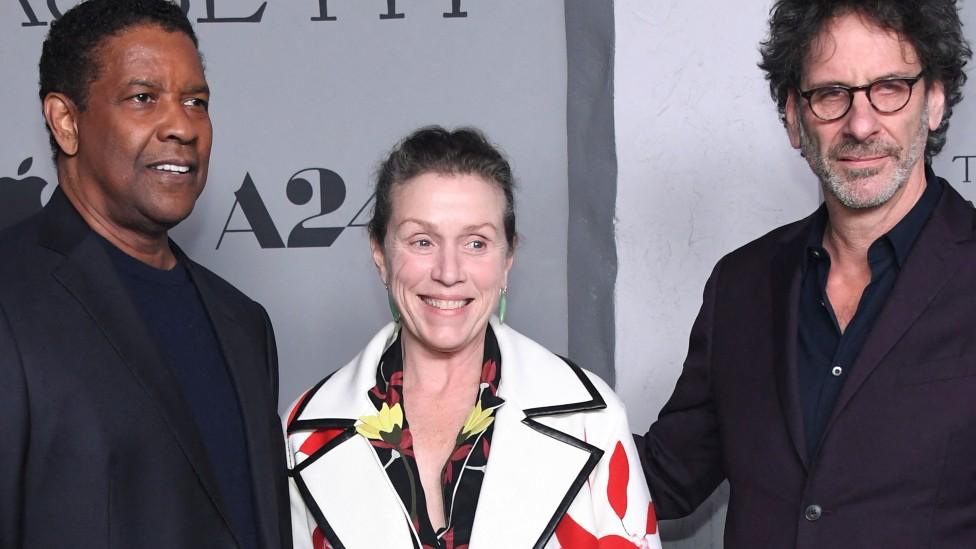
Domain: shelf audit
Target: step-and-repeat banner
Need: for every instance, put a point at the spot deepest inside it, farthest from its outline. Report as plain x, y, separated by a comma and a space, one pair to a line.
308, 96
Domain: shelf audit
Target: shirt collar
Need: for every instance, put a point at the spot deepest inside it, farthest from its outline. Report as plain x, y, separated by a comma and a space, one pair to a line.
389, 374
899, 239
903, 235
130, 266
814, 242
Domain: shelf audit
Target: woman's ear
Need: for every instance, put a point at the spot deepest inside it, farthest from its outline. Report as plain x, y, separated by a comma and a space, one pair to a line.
510, 259
379, 259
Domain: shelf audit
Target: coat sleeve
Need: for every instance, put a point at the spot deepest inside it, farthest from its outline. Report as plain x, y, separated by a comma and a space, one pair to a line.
682, 452
14, 432
621, 513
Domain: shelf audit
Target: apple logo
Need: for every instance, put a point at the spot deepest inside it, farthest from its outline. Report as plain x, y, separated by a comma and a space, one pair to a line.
20, 198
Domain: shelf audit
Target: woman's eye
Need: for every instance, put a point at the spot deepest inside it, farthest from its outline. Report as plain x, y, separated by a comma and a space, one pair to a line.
477, 244
422, 243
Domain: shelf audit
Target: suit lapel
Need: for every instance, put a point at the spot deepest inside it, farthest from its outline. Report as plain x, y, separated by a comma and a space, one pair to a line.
252, 382
786, 276
88, 275
930, 265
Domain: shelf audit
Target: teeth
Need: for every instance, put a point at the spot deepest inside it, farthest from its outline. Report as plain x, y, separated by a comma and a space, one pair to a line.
172, 168
444, 303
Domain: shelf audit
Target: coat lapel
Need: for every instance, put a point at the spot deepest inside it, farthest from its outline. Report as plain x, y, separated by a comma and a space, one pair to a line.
930, 265
786, 276
253, 383
349, 494
535, 470
533, 475
337, 472
88, 275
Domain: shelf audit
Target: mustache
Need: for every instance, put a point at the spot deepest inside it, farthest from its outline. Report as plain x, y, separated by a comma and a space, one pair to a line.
874, 147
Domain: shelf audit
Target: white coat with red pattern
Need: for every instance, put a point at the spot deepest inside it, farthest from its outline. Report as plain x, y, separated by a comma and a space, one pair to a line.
563, 470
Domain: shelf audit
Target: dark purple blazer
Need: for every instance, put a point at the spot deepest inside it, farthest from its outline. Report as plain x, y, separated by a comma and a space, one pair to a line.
897, 465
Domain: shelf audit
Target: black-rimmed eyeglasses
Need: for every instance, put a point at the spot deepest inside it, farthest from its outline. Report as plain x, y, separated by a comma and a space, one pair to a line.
887, 95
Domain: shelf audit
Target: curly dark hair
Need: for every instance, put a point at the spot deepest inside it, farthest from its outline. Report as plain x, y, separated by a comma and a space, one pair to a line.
69, 57
433, 149
932, 27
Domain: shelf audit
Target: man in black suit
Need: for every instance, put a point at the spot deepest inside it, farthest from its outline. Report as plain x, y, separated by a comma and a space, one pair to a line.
137, 389
831, 371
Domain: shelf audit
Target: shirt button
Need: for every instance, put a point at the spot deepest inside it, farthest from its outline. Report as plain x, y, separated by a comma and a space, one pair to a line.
837, 371
815, 253
812, 513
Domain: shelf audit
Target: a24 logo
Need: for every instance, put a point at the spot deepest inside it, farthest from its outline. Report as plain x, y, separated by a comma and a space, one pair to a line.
300, 190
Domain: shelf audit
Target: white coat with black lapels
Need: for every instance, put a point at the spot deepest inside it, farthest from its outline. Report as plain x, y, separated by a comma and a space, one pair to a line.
562, 472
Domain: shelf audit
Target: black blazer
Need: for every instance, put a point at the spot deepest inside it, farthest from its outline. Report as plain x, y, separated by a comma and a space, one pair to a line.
97, 445
897, 464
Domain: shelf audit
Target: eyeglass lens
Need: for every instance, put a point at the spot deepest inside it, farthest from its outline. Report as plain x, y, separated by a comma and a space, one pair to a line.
886, 96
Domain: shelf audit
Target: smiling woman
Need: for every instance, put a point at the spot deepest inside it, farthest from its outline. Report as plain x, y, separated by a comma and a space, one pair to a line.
420, 441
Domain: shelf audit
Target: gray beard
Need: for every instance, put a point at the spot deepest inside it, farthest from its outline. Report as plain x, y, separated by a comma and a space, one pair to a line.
845, 190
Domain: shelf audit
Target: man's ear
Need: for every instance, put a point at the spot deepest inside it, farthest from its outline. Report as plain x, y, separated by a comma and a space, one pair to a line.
793, 121
61, 115
379, 259
935, 98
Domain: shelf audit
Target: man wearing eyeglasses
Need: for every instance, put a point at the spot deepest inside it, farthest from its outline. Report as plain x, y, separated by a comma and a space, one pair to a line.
831, 373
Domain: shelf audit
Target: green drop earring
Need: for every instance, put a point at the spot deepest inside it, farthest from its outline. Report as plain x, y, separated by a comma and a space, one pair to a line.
394, 310
502, 304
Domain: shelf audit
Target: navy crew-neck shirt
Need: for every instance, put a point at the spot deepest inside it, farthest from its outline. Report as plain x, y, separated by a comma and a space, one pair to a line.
176, 319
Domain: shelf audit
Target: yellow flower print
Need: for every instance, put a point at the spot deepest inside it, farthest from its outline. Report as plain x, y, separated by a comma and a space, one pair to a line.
478, 420
385, 426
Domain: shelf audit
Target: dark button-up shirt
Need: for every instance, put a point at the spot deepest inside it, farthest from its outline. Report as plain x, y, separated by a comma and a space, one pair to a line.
825, 353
